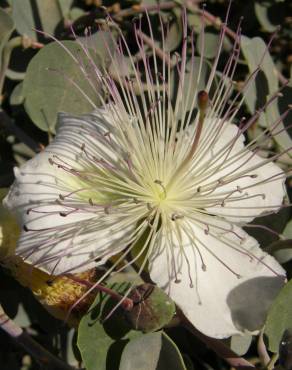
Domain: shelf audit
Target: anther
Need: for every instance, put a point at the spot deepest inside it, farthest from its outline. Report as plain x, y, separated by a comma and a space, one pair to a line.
150, 208
177, 281
176, 216
61, 197
25, 228
51, 161
90, 201
238, 189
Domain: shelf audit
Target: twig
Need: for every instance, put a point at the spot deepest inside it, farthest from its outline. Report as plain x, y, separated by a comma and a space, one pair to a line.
40, 354
220, 348
159, 52
137, 9
126, 303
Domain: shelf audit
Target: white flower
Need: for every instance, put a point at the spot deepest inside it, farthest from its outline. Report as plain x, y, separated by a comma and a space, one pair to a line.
132, 175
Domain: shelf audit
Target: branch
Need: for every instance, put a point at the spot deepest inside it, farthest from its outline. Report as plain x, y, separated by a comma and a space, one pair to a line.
140, 8
40, 354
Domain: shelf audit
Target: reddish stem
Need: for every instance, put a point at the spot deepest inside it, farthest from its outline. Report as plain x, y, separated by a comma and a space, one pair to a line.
126, 303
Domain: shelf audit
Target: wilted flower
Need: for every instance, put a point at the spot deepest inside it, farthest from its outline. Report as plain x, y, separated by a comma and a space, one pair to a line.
147, 179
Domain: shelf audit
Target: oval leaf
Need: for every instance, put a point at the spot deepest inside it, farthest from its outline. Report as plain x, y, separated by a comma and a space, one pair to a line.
51, 81
100, 344
279, 317
154, 351
255, 51
152, 309
6, 28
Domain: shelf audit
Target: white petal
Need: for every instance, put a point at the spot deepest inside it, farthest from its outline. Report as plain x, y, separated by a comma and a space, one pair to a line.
94, 132
245, 186
56, 243
250, 196
216, 301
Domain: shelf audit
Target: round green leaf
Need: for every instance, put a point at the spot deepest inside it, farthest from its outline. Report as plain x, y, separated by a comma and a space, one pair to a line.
253, 50
211, 43
47, 15
50, 84
101, 344
279, 317
154, 351
152, 309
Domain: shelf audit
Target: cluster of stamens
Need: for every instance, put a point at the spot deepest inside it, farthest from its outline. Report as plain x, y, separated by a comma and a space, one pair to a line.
144, 171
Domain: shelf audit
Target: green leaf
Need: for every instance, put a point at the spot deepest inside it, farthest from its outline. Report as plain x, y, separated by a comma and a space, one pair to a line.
240, 343
75, 13
65, 6
16, 97
191, 82
23, 18
9, 229
6, 28
153, 309
155, 351
261, 11
175, 31
282, 249
50, 13
211, 42
101, 345
50, 84
195, 21
253, 50
47, 15
279, 317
